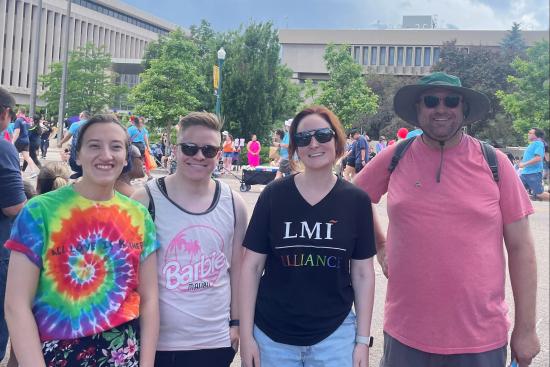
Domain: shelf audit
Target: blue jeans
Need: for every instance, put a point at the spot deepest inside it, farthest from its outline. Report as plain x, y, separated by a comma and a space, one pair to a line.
334, 351
3, 327
533, 182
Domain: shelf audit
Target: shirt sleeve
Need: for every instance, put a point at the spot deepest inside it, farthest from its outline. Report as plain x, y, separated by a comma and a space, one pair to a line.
374, 177
364, 245
11, 191
514, 201
28, 234
257, 234
150, 242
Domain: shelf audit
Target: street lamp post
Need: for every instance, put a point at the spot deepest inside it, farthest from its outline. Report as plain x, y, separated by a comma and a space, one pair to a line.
221, 58
61, 115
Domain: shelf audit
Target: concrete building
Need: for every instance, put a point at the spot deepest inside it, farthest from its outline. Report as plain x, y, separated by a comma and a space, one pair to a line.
123, 30
387, 51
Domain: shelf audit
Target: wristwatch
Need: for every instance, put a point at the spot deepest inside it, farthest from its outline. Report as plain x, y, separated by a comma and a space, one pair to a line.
234, 323
367, 340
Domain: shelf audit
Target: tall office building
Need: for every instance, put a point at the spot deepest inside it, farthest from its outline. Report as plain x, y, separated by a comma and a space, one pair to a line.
123, 30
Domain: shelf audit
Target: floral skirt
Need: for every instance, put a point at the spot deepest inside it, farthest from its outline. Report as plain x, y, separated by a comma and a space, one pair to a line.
115, 347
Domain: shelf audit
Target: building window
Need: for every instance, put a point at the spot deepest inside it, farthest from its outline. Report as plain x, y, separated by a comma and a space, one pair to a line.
382, 56
365, 55
436, 55
408, 61
357, 54
373, 55
427, 56
417, 56
399, 56
391, 57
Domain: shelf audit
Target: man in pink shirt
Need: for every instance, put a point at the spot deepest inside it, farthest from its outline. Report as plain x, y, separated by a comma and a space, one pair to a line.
444, 258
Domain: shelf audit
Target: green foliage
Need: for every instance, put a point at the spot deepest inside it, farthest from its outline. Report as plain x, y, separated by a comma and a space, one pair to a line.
89, 84
513, 44
257, 92
346, 92
172, 83
485, 70
208, 43
385, 121
528, 101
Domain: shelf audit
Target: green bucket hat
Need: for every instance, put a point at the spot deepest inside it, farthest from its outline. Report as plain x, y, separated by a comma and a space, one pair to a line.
476, 104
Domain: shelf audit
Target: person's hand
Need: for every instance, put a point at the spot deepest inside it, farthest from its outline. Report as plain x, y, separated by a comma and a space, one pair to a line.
525, 345
521, 165
361, 355
381, 257
250, 353
234, 337
363, 163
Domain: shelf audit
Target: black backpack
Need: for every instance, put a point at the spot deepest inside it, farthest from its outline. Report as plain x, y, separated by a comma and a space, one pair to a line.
487, 149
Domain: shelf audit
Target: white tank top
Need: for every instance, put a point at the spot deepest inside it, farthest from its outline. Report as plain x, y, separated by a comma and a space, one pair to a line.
193, 270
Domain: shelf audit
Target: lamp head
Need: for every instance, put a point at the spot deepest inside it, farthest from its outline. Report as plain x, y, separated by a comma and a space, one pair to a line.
221, 54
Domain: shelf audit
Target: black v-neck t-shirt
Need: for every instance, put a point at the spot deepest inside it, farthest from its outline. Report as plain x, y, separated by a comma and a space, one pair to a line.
305, 292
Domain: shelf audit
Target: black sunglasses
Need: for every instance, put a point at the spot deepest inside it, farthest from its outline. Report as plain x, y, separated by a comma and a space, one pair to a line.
448, 101
323, 135
190, 149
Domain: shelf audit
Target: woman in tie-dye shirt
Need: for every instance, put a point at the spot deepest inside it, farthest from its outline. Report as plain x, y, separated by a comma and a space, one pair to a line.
81, 287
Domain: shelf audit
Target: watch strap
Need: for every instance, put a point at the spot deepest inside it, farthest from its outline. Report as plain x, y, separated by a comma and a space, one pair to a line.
367, 340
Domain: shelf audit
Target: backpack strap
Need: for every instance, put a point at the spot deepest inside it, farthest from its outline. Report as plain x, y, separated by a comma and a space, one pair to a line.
400, 150
151, 206
491, 157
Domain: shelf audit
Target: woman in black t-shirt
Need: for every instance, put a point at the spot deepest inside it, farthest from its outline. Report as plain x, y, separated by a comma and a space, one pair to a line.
309, 249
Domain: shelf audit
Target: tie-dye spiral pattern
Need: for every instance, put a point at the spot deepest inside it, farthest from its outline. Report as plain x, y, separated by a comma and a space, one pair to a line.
89, 254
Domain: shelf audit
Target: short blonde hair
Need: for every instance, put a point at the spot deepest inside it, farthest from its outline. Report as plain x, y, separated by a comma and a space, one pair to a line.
205, 119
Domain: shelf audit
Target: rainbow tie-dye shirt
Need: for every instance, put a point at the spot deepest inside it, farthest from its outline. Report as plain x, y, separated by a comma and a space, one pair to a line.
89, 253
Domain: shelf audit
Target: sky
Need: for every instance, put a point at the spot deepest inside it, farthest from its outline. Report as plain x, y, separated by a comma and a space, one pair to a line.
351, 14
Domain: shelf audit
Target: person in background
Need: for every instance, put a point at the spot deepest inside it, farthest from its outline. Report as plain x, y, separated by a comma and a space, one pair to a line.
227, 155
21, 140
35, 130
75, 126
124, 182
139, 136
47, 130
253, 148
52, 176
532, 165
83, 265
285, 168
381, 145
12, 199
361, 151
308, 259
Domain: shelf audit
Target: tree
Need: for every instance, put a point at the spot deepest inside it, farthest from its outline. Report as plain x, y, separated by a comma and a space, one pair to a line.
513, 44
528, 101
385, 121
257, 92
89, 82
486, 71
346, 92
171, 83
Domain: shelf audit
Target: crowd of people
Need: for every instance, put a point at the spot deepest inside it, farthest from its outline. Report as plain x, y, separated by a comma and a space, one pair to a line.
100, 272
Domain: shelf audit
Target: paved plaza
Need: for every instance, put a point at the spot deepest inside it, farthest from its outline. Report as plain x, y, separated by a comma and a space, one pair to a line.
539, 226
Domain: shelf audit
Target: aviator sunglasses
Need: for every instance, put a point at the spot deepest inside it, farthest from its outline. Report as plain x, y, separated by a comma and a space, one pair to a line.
434, 101
190, 149
321, 135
